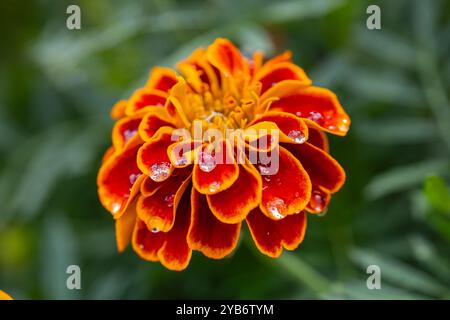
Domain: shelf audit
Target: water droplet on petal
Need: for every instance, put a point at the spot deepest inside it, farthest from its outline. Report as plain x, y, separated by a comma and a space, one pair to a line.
181, 161
128, 134
141, 246
297, 136
213, 187
154, 230
160, 171
318, 201
315, 116
276, 207
134, 177
343, 125
115, 207
207, 162
169, 199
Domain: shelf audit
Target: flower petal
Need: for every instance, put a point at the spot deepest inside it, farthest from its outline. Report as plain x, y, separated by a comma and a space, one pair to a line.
207, 234
279, 72
226, 57
162, 79
175, 253
118, 110
272, 236
145, 97
286, 191
152, 157
125, 226
318, 138
215, 170
119, 180
124, 130
319, 201
146, 243
319, 106
152, 121
323, 169
233, 204
5, 296
158, 210
291, 128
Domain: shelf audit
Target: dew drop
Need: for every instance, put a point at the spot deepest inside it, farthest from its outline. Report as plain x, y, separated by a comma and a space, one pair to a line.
160, 171
169, 199
115, 207
154, 230
181, 161
297, 136
315, 116
128, 134
141, 246
133, 177
318, 201
276, 207
207, 162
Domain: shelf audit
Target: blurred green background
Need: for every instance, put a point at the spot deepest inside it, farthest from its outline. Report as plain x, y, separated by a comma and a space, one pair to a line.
56, 90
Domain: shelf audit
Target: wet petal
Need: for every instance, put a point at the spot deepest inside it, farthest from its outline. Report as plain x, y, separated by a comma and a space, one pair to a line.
108, 154
272, 236
145, 97
152, 121
146, 243
162, 79
182, 153
207, 234
124, 130
233, 204
175, 253
279, 72
226, 57
216, 170
286, 191
323, 169
124, 227
119, 180
158, 210
319, 201
152, 157
319, 106
291, 128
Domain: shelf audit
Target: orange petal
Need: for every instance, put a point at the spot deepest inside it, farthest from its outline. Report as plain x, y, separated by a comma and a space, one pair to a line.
118, 110
149, 186
318, 138
124, 227
207, 234
215, 170
108, 154
233, 204
5, 296
124, 130
152, 121
323, 169
152, 157
319, 106
146, 243
181, 153
226, 57
175, 253
145, 97
158, 210
162, 79
170, 248
319, 201
291, 128
279, 72
271, 236
119, 180
288, 190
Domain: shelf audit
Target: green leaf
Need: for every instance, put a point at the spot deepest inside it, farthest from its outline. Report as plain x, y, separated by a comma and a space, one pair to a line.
437, 193
404, 178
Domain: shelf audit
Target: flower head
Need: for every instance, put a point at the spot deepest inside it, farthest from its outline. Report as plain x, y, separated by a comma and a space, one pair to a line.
228, 140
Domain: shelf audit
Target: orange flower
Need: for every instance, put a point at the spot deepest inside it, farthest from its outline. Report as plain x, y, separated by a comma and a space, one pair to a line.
5, 296
164, 184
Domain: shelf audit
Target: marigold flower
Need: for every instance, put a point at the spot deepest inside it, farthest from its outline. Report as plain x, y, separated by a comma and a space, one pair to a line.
5, 296
171, 196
